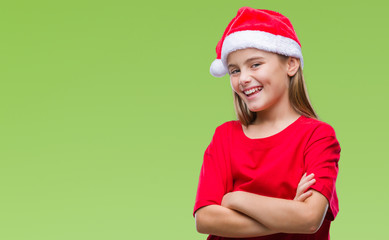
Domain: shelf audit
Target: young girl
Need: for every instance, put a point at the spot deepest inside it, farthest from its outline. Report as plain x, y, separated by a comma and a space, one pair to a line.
257, 170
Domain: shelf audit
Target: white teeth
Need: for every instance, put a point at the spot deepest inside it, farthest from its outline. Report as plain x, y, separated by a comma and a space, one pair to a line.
251, 91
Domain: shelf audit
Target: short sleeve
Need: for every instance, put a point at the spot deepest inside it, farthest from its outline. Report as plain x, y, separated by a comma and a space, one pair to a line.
321, 158
215, 177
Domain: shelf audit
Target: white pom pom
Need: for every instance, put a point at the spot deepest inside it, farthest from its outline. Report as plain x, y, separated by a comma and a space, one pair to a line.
217, 68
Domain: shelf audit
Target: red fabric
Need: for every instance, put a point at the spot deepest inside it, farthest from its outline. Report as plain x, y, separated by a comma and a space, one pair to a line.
271, 166
258, 20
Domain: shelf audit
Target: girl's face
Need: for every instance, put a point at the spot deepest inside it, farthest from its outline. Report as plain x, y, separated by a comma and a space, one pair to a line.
260, 78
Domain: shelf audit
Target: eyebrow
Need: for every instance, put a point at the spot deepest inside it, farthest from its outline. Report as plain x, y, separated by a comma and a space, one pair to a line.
247, 60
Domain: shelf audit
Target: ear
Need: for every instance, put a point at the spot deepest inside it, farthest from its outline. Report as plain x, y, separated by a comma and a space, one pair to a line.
293, 65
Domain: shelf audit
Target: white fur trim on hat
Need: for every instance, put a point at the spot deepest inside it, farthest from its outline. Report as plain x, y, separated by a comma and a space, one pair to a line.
255, 39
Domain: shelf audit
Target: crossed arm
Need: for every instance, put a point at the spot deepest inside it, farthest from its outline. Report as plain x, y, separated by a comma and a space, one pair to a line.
243, 214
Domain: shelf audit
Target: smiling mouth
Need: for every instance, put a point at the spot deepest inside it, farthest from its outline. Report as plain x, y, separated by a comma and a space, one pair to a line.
252, 91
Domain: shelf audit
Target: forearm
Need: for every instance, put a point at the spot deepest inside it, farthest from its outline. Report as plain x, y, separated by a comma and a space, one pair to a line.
281, 215
220, 221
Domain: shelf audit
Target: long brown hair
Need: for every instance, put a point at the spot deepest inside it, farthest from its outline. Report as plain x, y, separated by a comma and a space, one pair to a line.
298, 97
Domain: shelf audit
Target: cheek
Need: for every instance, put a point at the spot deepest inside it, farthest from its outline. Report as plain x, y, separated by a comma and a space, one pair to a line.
285, 83
282, 88
234, 85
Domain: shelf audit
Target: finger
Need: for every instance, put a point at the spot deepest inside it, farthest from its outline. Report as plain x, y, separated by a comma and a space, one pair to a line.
309, 178
306, 185
302, 179
301, 189
304, 196
306, 179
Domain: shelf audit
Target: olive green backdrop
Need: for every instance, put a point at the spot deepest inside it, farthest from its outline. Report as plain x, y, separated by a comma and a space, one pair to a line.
106, 108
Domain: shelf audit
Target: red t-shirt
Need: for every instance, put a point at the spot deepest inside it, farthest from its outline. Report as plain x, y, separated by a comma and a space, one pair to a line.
271, 166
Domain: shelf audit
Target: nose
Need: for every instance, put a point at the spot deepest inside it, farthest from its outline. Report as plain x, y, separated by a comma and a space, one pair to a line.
244, 78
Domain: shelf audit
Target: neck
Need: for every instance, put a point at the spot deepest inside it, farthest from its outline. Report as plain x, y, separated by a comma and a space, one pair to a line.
278, 114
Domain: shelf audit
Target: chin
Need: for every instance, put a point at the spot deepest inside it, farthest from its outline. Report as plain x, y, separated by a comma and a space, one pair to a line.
256, 109
257, 106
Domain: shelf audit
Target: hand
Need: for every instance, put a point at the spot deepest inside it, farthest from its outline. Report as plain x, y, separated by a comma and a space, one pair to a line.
305, 183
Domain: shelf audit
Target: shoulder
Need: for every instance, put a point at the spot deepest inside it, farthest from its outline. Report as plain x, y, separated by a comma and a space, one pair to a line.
320, 133
228, 126
317, 127
226, 129
223, 134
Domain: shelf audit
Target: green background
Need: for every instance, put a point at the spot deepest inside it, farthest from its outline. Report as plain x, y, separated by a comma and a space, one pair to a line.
106, 108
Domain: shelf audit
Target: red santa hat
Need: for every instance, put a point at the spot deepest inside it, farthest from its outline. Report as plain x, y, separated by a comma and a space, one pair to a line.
253, 28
